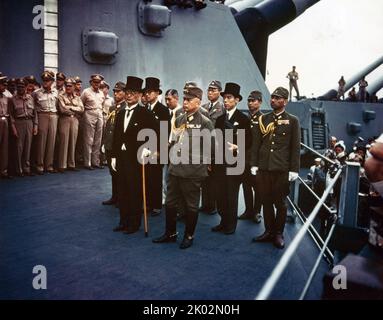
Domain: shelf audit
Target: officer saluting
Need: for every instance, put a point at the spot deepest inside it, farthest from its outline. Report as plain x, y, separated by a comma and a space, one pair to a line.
275, 162
188, 167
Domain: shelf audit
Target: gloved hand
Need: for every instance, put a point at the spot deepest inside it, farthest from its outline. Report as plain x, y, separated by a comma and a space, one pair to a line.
103, 148
145, 153
113, 164
254, 170
293, 176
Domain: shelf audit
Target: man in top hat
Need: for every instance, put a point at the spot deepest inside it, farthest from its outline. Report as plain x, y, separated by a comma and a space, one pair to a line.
275, 162
4, 117
189, 160
161, 114
215, 109
127, 153
70, 108
60, 81
253, 208
46, 106
107, 137
24, 126
93, 99
228, 182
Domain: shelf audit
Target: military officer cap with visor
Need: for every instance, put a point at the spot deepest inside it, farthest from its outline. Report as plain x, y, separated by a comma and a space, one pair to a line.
255, 95
281, 92
70, 81
48, 76
119, 86
96, 77
60, 76
193, 92
215, 84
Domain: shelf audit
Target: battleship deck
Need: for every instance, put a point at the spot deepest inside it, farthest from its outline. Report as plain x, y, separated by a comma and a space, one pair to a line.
57, 221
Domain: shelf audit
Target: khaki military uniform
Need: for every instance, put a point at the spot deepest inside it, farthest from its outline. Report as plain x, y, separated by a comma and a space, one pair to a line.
70, 108
23, 117
4, 116
293, 78
185, 179
93, 124
46, 107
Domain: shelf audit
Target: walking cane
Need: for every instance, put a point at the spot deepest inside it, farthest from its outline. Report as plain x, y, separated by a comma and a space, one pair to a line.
144, 196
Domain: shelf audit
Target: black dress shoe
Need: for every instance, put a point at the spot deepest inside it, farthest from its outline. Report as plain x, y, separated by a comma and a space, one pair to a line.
230, 231
61, 170
98, 167
155, 212
186, 242
257, 218
73, 169
109, 202
166, 238
120, 228
279, 242
88, 168
217, 228
130, 230
52, 171
40, 172
265, 237
246, 216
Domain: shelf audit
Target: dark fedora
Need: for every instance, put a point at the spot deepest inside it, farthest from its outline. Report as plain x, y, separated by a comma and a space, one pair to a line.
152, 84
134, 84
232, 88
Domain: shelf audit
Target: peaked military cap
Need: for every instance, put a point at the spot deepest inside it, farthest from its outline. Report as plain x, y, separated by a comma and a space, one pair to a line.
281, 92
21, 82
119, 86
105, 84
60, 76
3, 79
256, 95
134, 84
193, 92
189, 84
77, 79
152, 84
70, 81
216, 84
48, 75
30, 79
97, 77
232, 88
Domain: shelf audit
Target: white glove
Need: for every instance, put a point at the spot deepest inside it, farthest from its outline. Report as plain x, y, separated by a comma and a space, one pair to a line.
103, 148
145, 153
113, 164
293, 176
254, 170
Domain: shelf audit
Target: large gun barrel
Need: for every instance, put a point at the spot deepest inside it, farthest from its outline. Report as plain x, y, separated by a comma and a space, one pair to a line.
331, 94
258, 19
375, 86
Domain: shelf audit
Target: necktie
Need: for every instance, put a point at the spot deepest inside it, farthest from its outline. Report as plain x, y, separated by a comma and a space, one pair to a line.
210, 107
171, 114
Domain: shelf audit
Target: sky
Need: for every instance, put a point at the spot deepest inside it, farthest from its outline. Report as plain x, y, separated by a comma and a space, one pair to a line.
330, 39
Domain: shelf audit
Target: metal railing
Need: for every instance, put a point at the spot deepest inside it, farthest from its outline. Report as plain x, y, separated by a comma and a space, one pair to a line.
292, 248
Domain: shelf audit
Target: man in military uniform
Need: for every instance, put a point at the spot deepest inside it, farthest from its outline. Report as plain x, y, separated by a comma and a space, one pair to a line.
228, 183
161, 114
127, 153
253, 208
275, 162
107, 138
24, 126
186, 174
293, 81
46, 106
78, 86
215, 109
31, 84
93, 98
4, 118
60, 80
70, 109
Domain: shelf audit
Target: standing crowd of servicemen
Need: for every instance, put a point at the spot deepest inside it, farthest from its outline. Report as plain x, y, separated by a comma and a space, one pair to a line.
55, 127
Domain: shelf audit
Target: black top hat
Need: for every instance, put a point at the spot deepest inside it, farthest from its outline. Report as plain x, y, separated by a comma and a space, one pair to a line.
232, 88
152, 84
134, 84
